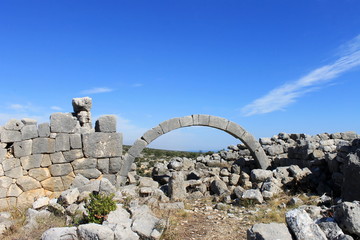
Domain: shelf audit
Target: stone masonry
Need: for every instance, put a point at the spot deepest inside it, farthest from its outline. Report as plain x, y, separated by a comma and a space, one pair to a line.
43, 159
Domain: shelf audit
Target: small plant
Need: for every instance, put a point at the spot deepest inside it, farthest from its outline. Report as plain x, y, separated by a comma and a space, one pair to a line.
99, 206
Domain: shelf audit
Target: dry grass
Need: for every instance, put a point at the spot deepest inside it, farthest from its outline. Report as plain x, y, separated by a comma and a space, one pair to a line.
18, 232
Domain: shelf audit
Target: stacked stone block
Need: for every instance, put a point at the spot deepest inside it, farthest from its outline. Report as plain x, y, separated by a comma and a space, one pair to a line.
43, 160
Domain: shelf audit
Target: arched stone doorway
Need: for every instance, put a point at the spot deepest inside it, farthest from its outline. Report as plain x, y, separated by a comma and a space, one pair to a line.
196, 120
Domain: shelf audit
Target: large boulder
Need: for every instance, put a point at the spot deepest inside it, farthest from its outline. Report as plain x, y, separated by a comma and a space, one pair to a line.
302, 226
271, 231
351, 169
347, 215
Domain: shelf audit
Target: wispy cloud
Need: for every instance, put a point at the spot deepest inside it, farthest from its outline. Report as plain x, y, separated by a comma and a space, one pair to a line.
279, 98
56, 108
136, 85
97, 90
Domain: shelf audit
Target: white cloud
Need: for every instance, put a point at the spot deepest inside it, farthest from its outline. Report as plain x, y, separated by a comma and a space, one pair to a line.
280, 97
56, 108
17, 106
97, 90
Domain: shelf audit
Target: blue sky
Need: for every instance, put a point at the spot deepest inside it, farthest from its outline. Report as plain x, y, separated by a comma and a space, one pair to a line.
271, 66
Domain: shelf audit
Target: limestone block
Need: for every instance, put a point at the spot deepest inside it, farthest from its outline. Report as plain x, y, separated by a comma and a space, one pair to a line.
84, 163
10, 163
252, 194
82, 104
3, 153
53, 184
57, 170
27, 183
218, 187
170, 125
68, 180
39, 174
57, 157
126, 166
115, 164
106, 186
60, 233
269, 231
69, 196
152, 134
46, 161
79, 181
14, 124
235, 130
28, 121
137, 148
103, 165
201, 119
106, 124
348, 135
75, 141
73, 155
111, 178
43, 145
5, 182
95, 231
29, 132
15, 172
4, 204
44, 130
13, 191
23, 148
302, 226
26, 199
93, 185
62, 142
260, 175
347, 215
91, 173
40, 203
10, 136
1, 170
32, 161
62, 123
186, 121
84, 119
218, 122
102, 145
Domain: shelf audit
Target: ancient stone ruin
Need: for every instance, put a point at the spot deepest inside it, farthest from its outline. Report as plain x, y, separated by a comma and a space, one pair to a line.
53, 167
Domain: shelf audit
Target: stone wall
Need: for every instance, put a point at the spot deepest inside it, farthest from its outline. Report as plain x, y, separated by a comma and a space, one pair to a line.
43, 159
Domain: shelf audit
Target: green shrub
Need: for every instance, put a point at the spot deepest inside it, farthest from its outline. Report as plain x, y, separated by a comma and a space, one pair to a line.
99, 206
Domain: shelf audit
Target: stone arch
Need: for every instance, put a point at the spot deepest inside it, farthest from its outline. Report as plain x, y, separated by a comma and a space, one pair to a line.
195, 120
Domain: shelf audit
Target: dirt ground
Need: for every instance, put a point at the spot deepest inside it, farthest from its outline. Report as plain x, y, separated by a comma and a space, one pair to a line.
201, 221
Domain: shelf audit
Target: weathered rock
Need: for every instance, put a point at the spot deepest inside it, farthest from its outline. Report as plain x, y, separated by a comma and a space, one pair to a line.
39, 174
351, 168
23, 148
62, 123
32, 161
82, 104
347, 215
60, 233
10, 163
144, 222
15, 172
69, 196
94, 145
103, 165
10, 136
302, 226
219, 187
333, 231
73, 155
177, 186
57, 170
90, 173
106, 186
29, 132
84, 163
43, 145
270, 231
27, 183
40, 203
44, 130
253, 195
62, 142
106, 124
14, 124
53, 184
260, 175
95, 231
75, 141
